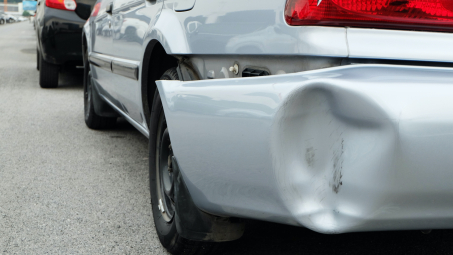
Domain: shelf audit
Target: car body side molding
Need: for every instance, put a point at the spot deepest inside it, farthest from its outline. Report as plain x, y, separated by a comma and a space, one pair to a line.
120, 66
101, 60
126, 68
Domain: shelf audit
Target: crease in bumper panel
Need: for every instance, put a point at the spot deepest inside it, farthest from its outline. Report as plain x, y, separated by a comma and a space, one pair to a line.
357, 148
326, 142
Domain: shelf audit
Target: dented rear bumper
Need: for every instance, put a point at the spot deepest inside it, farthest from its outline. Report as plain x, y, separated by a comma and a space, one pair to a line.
356, 148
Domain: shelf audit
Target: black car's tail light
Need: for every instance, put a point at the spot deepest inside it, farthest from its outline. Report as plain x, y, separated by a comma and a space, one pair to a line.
68, 5
96, 9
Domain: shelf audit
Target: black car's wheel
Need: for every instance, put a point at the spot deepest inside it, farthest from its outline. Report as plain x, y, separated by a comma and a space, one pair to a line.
161, 182
48, 73
37, 59
92, 120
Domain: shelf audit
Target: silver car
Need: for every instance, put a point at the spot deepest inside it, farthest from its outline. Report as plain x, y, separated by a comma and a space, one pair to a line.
334, 115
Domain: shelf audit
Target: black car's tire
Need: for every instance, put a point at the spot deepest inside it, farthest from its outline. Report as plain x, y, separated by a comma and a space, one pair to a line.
48, 74
92, 120
37, 59
159, 147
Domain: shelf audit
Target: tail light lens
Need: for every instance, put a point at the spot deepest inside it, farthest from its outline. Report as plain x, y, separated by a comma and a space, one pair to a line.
68, 5
433, 15
96, 9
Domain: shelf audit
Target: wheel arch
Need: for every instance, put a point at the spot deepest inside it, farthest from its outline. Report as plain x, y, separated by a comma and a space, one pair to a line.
169, 31
155, 62
166, 40
86, 37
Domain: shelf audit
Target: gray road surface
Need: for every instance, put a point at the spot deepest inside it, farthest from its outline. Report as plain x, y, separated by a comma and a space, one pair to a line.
66, 189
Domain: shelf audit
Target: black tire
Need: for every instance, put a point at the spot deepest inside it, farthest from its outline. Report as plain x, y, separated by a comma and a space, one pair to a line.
158, 149
48, 74
92, 120
37, 59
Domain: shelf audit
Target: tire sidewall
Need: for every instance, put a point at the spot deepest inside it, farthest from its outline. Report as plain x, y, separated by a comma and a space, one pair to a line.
37, 59
166, 230
86, 103
48, 73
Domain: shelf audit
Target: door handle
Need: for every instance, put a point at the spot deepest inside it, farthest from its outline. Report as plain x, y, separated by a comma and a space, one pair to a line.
109, 8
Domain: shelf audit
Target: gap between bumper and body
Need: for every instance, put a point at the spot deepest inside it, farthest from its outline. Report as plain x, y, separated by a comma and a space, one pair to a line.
344, 149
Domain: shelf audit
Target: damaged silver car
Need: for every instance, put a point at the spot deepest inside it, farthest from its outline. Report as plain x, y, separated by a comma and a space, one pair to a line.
332, 115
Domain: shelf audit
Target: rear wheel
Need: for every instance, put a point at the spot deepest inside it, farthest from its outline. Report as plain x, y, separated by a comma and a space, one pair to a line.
161, 182
92, 120
48, 73
37, 59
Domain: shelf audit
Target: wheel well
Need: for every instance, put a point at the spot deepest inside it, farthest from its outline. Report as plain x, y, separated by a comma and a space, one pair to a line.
84, 45
156, 61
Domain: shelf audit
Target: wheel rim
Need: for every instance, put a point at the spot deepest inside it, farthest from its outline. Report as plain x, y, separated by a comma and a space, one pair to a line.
87, 95
164, 172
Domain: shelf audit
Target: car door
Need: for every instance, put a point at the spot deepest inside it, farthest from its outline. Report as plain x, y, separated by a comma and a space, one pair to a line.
102, 29
102, 52
131, 20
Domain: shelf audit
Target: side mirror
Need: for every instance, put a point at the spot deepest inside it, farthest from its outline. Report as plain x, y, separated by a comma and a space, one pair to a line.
84, 8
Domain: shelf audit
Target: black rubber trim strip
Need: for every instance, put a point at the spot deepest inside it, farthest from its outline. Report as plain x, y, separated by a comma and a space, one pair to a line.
100, 60
124, 68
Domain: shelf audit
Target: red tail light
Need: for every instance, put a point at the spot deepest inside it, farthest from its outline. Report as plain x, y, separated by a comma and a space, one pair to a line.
96, 10
68, 5
434, 15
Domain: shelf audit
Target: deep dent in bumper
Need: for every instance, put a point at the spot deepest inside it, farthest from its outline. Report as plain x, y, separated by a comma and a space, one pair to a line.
356, 148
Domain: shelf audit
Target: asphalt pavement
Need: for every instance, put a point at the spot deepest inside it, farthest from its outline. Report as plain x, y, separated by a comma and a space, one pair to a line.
66, 189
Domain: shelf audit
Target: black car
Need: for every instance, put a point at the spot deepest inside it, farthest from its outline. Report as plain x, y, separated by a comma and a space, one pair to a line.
59, 35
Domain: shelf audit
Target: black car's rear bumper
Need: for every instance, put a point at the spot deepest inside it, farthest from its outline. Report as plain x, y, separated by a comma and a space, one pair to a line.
60, 36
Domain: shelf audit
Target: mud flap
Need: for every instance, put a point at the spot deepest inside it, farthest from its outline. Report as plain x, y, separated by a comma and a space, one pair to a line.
194, 224
101, 107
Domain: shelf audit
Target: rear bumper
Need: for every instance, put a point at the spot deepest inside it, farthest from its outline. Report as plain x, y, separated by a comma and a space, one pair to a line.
355, 148
61, 37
